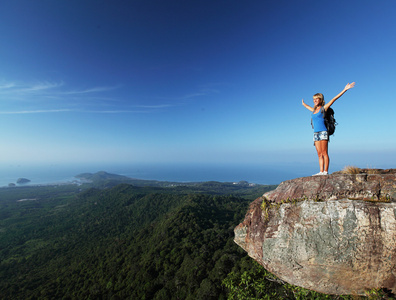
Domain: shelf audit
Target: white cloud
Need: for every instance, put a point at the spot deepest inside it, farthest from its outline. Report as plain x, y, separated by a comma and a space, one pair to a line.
92, 90
156, 106
7, 85
41, 86
44, 95
13, 89
34, 111
56, 97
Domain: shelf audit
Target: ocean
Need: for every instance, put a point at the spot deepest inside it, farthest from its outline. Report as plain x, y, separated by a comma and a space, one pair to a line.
57, 173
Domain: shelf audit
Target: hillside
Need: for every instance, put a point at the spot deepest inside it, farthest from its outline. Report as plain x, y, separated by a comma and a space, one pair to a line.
145, 242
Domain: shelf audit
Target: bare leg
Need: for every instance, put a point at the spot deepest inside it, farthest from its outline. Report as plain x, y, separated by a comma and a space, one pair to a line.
326, 157
322, 150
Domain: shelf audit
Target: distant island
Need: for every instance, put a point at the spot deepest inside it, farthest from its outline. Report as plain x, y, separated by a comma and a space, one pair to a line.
23, 180
104, 179
102, 175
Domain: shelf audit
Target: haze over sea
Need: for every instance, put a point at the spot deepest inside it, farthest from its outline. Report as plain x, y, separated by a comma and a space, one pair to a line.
56, 173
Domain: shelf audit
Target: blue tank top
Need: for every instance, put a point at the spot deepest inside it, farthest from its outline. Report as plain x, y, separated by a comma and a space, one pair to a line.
318, 122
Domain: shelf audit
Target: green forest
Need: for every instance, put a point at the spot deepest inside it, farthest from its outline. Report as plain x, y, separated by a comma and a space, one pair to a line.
122, 241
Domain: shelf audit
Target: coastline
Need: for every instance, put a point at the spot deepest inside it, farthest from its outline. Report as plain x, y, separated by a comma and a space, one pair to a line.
62, 174
61, 183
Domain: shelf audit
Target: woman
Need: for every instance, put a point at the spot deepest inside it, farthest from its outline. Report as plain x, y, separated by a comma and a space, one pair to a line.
321, 137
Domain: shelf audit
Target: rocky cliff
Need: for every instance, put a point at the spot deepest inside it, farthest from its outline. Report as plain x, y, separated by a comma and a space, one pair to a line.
333, 234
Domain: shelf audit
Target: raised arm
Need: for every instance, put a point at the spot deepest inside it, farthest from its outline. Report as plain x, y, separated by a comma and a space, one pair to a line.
306, 105
347, 87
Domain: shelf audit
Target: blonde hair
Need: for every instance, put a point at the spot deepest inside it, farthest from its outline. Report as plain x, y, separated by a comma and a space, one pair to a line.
321, 102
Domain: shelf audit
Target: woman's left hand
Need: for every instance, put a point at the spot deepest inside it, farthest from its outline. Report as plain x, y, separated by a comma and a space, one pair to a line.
349, 86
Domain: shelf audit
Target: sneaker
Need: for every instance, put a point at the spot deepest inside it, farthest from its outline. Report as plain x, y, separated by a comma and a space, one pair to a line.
321, 173
317, 174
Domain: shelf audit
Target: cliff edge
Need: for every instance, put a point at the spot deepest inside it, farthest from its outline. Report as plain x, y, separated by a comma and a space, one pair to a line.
334, 234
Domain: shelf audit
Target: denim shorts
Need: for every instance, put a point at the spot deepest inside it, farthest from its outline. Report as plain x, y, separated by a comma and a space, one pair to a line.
320, 136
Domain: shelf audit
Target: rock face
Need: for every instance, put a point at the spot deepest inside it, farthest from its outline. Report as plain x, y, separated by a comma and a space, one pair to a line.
333, 234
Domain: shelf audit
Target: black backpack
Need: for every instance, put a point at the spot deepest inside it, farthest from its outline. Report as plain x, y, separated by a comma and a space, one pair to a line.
329, 120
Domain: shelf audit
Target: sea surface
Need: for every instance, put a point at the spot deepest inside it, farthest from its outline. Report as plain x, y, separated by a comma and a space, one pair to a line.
58, 174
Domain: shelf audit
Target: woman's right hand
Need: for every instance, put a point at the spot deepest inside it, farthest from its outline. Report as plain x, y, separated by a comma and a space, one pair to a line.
306, 105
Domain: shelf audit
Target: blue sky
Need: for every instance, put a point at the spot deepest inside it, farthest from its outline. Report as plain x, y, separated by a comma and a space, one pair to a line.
195, 81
